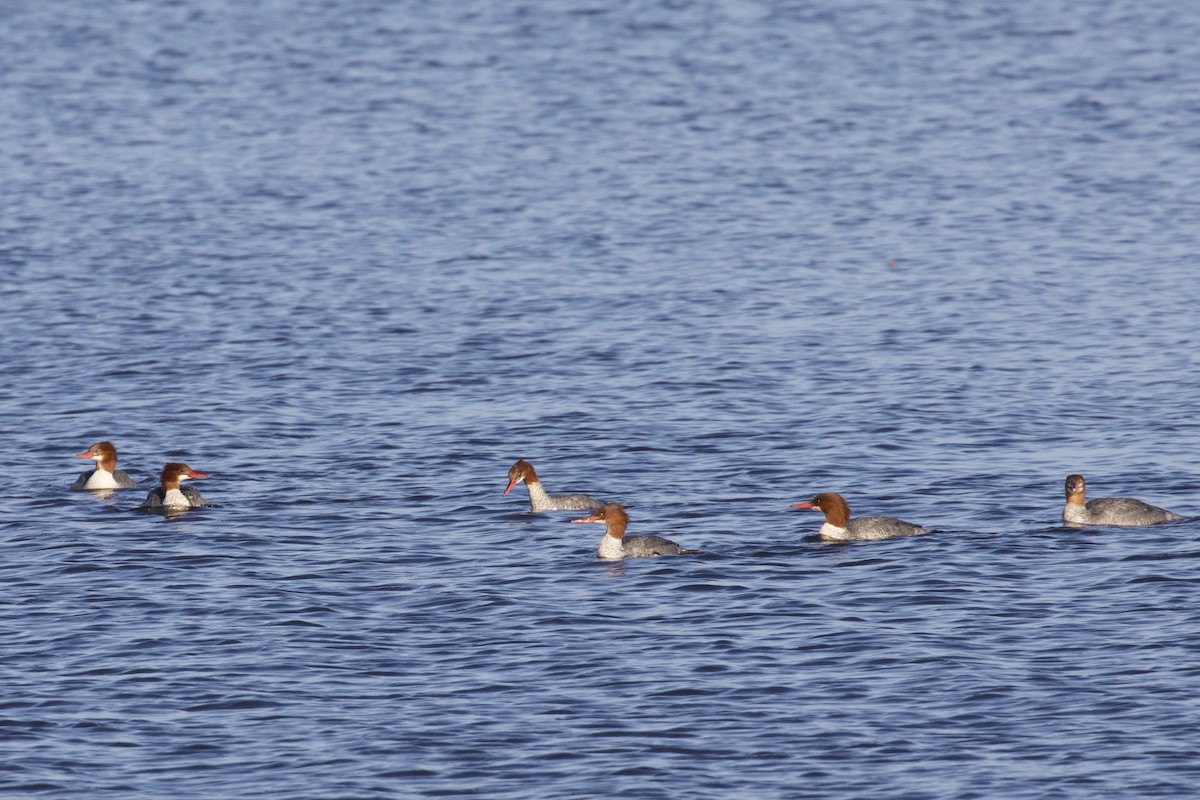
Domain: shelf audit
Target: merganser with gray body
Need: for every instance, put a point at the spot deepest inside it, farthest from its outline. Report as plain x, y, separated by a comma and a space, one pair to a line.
170, 496
105, 475
616, 546
839, 527
539, 499
1124, 511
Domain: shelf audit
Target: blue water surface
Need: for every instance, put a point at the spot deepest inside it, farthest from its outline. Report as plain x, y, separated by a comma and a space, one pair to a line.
703, 259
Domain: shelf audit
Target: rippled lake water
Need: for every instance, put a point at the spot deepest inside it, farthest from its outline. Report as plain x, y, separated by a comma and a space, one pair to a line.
704, 259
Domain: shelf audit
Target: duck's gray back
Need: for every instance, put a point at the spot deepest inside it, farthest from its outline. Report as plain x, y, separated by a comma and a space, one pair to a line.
1126, 511
874, 528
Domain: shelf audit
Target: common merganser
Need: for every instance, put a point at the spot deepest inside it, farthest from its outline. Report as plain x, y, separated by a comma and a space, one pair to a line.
616, 546
839, 527
1109, 510
539, 499
170, 495
105, 475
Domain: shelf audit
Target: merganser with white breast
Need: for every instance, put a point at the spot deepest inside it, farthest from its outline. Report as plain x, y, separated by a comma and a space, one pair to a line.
839, 527
1123, 511
170, 496
539, 499
105, 475
616, 546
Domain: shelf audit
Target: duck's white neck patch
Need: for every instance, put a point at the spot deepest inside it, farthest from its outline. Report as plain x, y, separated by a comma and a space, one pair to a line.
611, 548
1075, 512
101, 479
539, 499
830, 531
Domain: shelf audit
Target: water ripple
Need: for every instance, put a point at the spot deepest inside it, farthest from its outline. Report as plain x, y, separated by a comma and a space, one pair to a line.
703, 260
